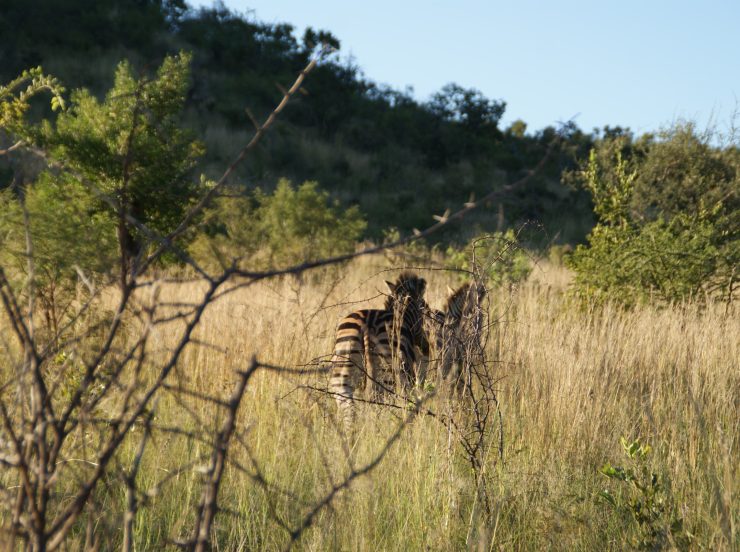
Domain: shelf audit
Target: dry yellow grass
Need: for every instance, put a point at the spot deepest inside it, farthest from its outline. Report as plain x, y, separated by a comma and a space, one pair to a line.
572, 383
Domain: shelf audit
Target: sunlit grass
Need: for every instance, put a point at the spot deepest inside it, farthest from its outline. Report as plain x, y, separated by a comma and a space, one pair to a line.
572, 382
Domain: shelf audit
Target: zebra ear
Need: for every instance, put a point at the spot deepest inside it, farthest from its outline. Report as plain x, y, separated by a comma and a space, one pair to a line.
391, 286
422, 286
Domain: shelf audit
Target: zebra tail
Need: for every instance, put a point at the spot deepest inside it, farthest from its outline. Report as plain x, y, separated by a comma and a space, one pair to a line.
371, 375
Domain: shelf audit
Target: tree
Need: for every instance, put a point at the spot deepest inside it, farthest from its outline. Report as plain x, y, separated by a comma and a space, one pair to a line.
668, 219
131, 153
118, 174
467, 106
683, 172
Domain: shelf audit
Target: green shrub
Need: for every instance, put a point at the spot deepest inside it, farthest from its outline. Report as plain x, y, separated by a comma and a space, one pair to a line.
498, 256
416, 251
70, 237
647, 500
289, 226
558, 254
668, 224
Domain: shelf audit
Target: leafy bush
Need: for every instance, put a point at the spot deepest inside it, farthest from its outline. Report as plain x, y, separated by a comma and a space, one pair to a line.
70, 238
558, 253
668, 219
498, 256
289, 226
648, 501
132, 147
417, 251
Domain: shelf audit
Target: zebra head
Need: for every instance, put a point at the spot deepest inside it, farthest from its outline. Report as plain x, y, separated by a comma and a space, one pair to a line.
407, 294
407, 290
465, 301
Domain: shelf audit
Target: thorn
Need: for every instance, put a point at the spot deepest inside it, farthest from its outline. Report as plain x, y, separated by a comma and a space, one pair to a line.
252, 118
303, 91
443, 218
281, 88
470, 202
416, 231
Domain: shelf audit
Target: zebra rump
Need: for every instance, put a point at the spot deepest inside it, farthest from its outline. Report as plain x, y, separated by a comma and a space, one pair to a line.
377, 348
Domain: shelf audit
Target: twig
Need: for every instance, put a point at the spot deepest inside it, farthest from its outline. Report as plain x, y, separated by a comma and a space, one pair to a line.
130, 479
208, 507
308, 519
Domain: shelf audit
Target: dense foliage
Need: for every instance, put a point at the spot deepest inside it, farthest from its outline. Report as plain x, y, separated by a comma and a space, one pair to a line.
131, 148
669, 218
273, 230
60, 211
395, 157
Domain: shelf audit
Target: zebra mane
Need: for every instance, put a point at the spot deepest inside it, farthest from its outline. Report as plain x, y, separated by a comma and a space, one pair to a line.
408, 284
408, 276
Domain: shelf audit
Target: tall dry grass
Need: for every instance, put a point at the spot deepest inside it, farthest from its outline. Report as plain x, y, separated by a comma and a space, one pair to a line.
573, 381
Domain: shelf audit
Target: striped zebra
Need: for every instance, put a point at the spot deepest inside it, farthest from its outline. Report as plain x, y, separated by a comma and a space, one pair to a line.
377, 348
456, 333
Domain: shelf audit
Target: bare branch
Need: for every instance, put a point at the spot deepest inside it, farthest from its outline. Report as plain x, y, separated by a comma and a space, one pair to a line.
130, 480
309, 518
15, 146
208, 507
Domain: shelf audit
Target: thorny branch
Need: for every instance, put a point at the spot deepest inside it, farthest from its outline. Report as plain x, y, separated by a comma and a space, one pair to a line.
207, 508
308, 519
123, 373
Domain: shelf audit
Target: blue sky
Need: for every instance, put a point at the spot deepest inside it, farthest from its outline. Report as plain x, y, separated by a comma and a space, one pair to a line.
641, 64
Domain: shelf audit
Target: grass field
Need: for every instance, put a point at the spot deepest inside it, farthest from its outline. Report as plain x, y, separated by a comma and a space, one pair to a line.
571, 382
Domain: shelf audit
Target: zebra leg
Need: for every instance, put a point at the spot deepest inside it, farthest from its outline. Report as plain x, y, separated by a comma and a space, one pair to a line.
460, 376
342, 388
422, 369
372, 373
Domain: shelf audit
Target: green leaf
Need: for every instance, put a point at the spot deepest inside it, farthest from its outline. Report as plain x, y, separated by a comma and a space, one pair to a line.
608, 497
57, 103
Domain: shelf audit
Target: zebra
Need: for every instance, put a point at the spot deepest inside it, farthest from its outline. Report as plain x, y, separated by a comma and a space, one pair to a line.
379, 346
457, 331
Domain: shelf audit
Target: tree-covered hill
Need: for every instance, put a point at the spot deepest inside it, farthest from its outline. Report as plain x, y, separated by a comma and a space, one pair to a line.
398, 159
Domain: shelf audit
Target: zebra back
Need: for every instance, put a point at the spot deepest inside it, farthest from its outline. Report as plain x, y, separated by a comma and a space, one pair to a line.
457, 331
376, 348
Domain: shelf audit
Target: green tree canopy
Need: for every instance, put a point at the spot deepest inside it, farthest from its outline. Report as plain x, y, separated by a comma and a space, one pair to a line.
270, 230
131, 148
668, 217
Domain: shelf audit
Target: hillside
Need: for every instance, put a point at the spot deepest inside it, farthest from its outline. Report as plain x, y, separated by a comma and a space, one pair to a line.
398, 159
